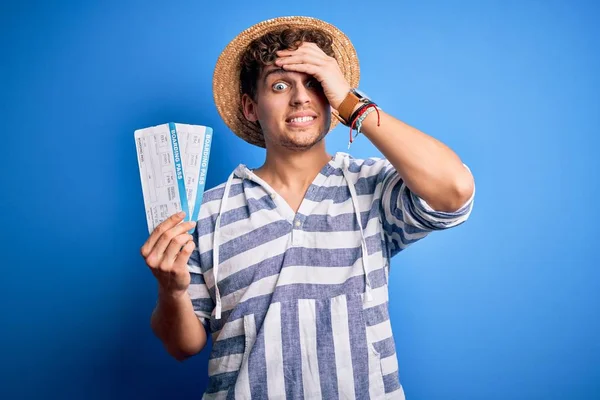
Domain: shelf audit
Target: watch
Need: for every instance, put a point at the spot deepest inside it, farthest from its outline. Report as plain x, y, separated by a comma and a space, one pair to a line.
353, 97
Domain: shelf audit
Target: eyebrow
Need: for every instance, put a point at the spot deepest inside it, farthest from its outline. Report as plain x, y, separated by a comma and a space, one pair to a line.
278, 71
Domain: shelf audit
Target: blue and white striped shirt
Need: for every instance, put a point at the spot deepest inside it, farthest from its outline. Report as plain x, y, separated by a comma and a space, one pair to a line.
301, 306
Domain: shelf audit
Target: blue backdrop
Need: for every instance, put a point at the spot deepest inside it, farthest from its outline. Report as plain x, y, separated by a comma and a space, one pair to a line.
504, 306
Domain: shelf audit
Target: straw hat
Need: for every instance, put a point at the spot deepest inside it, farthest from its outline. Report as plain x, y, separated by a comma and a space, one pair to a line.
227, 89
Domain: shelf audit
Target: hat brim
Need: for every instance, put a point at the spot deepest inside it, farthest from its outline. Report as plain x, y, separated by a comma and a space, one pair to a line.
227, 90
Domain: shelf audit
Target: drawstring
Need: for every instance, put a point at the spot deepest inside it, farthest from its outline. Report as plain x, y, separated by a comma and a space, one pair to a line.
216, 246
365, 254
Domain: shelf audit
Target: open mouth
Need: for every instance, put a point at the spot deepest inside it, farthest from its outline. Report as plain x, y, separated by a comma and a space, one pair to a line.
301, 121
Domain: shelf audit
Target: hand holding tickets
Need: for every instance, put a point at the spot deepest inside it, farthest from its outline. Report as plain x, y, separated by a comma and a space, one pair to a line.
167, 252
173, 161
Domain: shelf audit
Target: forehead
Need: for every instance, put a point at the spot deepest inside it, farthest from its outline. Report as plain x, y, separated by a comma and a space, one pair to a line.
271, 72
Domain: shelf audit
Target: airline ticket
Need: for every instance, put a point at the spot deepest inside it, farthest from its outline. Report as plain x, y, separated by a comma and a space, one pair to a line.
173, 162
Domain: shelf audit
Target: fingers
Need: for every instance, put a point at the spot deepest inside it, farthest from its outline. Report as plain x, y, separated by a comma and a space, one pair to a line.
164, 226
183, 256
154, 248
306, 61
299, 59
300, 56
175, 246
157, 253
300, 63
306, 68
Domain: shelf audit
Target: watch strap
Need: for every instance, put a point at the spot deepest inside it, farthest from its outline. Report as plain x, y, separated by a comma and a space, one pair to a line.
347, 106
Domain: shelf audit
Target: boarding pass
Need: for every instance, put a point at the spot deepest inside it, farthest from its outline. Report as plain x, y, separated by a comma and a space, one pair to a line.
173, 162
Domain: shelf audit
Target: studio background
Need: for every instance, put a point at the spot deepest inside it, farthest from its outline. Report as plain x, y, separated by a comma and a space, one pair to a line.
503, 307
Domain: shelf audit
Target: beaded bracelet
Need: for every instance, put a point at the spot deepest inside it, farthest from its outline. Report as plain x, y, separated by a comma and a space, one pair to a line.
362, 117
360, 109
359, 117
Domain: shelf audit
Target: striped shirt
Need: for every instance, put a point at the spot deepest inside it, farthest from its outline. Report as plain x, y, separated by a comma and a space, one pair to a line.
301, 306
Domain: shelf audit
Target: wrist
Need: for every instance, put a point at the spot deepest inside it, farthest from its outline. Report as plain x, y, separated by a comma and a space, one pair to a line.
354, 100
339, 99
170, 295
356, 108
359, 116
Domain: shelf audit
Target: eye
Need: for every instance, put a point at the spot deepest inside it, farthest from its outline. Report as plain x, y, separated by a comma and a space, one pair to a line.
314, 84
279, 86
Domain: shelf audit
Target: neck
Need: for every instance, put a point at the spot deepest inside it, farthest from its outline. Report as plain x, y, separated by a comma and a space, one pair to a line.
293, 170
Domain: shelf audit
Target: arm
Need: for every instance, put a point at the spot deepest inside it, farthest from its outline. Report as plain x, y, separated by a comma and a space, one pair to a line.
428, 167
177, 326
173, 320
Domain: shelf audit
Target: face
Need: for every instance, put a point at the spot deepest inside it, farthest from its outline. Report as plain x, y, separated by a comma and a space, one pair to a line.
291, 108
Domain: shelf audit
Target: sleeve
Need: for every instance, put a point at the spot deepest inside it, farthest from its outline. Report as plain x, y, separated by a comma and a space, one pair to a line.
407, 218
198, 290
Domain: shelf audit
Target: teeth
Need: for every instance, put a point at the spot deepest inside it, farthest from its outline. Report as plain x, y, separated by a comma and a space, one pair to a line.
302, 119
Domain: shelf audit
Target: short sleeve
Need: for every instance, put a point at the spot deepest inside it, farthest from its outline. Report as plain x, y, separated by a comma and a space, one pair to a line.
198, 290
407, 218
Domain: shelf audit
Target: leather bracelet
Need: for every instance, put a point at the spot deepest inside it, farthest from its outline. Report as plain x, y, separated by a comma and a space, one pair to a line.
345, 108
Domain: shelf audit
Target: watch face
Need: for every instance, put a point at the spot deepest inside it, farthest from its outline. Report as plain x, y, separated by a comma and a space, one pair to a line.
361, 95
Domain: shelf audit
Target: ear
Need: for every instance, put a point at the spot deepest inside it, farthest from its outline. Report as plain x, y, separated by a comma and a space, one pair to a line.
249, 108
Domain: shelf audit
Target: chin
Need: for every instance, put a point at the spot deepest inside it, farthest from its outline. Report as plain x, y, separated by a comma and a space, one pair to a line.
299, 142
298, 138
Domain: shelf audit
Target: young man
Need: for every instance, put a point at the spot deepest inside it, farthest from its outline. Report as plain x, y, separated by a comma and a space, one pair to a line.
300, 247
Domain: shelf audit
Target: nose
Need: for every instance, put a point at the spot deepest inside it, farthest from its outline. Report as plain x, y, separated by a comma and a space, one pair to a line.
300, 95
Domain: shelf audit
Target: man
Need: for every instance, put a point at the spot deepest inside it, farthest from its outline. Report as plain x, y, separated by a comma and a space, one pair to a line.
300, 247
